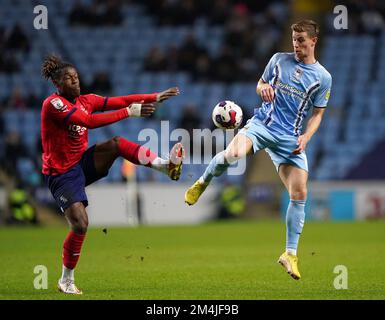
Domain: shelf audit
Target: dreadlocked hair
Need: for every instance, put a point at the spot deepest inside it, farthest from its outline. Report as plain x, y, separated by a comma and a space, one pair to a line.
53, 67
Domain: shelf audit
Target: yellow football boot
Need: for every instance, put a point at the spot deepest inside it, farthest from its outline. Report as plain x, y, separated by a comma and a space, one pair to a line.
290, 263
194, 192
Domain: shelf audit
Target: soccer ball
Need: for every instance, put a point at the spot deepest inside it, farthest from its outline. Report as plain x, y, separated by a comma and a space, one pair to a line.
227, 115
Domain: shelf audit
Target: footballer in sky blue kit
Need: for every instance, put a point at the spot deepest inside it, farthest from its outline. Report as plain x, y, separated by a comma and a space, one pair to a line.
298, 87
291, 85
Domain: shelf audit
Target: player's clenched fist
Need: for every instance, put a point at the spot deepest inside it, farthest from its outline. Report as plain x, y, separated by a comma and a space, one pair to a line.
164, 95
267, 93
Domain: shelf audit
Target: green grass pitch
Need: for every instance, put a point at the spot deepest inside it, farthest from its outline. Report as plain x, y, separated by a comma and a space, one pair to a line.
222, 260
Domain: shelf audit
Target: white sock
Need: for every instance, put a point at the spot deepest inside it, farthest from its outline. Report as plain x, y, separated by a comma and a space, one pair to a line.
160, 164
202, 181
67, 274
292, 252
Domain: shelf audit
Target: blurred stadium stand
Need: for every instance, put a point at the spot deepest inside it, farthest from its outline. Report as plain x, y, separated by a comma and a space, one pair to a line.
352, 128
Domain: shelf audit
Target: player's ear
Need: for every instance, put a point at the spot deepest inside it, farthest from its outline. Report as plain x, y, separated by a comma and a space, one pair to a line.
57, 84
314, 40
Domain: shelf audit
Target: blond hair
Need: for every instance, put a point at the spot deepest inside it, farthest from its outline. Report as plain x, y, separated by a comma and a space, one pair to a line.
309, 26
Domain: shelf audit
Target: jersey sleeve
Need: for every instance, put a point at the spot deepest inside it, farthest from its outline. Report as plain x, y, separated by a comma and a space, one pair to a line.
95, 102
268, 73
116, 103
57, 110
322, 96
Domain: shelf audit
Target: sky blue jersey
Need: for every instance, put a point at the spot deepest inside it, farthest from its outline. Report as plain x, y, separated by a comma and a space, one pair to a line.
298, 87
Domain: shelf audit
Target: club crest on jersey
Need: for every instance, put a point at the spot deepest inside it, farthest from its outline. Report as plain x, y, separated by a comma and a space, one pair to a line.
59, 105
297, 75
327, 96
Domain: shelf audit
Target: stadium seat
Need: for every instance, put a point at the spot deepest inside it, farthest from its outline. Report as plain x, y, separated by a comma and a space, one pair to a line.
355, 112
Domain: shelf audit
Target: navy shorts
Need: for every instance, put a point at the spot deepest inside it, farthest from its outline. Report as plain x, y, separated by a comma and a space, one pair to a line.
69, 187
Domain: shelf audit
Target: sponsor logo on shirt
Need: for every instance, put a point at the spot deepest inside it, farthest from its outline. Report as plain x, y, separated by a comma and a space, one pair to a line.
59, 105
290, 90
76, 130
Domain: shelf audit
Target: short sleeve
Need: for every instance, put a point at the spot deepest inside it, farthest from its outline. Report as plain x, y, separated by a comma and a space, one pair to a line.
323, 94
268, 73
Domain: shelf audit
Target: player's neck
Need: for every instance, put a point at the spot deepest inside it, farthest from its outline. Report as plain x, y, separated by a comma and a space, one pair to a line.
309, 59
68, 98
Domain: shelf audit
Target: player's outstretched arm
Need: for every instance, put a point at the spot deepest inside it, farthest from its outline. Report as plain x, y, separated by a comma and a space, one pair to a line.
311, 128
116, 103
93, 121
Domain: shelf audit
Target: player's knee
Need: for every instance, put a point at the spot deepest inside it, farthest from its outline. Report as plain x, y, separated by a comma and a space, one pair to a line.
113, 144
80, 226
231, 155
115, 140
78, 218
299, 193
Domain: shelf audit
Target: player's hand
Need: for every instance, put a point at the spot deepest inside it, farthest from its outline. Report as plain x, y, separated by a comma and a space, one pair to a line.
164, 95
141, 109
301, 143
267, 93
147, 109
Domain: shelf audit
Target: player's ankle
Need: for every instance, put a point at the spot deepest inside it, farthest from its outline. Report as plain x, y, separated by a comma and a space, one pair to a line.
160, 164
201, 180
291, 252
65, 280
67, 274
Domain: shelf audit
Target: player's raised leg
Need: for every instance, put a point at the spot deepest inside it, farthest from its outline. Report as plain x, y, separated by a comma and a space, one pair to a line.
105, 154
295, 181
77, 218
238, 148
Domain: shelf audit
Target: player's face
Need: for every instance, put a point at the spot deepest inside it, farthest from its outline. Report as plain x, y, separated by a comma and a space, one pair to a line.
303, 45
69, 84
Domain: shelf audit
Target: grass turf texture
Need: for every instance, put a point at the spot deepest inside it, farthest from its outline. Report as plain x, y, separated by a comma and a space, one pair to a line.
227, 260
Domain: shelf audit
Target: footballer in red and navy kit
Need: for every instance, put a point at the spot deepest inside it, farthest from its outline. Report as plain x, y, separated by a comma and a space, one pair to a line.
69, 165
